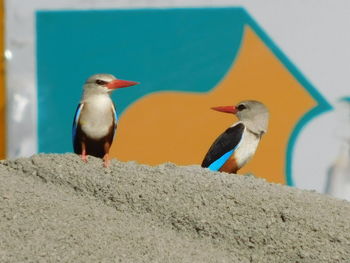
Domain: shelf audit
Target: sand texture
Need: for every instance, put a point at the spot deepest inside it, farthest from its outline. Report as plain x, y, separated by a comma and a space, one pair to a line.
55, 208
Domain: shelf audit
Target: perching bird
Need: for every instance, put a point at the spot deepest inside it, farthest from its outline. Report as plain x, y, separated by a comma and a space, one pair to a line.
95, 119
237, 145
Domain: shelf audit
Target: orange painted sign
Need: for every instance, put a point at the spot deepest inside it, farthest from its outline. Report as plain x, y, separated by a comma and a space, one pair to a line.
180, 127
187, 60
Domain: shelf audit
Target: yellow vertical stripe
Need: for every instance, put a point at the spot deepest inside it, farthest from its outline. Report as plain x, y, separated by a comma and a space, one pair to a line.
2, 86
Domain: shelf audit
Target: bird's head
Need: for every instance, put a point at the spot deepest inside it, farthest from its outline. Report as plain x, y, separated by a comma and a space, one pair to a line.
252, 113
105, 84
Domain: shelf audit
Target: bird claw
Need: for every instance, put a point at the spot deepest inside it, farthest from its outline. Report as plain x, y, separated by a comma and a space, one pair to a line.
106, 161
84, 158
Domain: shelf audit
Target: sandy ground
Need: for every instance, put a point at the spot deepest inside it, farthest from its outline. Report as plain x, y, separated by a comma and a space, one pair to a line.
55, 208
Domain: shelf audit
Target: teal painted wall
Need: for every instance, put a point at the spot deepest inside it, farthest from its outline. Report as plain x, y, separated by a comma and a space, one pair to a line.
164, 49
185, 50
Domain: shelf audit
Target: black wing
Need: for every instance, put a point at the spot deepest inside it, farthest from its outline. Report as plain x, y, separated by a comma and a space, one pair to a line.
226, 142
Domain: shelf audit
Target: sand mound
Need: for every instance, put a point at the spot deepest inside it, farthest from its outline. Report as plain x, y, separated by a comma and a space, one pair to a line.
54, 208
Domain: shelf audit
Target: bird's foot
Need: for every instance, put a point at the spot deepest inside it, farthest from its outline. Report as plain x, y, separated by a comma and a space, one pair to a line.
84, 158
106, 161
83, 153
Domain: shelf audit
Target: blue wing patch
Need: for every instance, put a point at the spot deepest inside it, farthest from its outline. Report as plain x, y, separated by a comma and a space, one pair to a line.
223, 147
115, 119
76, 119
215, 166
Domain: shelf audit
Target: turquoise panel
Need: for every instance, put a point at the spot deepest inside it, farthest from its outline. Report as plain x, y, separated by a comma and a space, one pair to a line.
185, 50
165, 49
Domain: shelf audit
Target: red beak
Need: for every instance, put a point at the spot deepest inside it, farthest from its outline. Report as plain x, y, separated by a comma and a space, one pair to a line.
119, 83
227, 109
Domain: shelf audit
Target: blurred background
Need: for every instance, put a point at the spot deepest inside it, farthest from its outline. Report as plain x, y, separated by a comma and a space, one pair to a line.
189, 56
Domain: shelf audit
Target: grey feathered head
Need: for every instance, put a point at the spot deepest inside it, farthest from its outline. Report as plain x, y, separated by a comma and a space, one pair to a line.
253, 114
105, 83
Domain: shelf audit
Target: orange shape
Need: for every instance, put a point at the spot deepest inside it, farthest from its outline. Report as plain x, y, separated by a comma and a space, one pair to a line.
180, 127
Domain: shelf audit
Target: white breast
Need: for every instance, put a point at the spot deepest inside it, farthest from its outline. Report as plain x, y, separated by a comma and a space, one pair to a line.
97, 116
247, 148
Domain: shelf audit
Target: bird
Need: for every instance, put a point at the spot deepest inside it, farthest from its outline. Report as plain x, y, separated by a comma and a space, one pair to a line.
95, 119
237, 144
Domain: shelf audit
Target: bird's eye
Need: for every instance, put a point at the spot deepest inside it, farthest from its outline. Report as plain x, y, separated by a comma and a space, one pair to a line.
241, 107
100, 82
